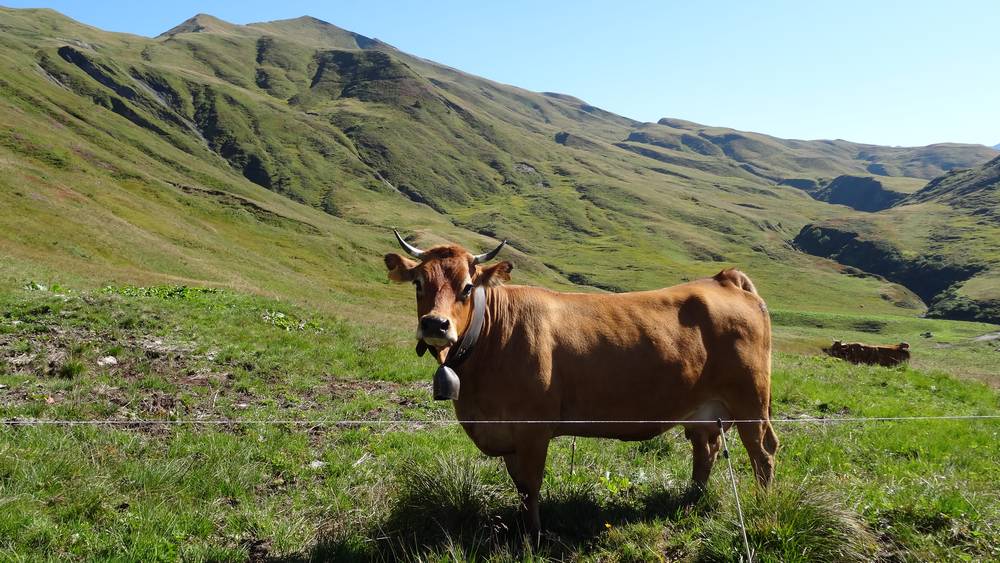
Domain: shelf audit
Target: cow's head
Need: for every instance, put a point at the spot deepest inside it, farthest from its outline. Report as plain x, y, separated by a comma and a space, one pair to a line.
444, 278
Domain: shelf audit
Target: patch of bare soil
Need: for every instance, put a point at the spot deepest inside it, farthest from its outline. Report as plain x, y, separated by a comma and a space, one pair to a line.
46, 353
197, 389
71, 353
346, 388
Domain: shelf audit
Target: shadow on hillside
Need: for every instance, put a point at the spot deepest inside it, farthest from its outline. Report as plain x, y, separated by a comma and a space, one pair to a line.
573, 518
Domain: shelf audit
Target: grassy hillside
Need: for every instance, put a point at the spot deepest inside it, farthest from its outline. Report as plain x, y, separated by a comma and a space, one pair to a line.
192, 155
942, 241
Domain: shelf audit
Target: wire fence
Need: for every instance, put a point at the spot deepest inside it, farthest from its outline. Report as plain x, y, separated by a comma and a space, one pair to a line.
449, 422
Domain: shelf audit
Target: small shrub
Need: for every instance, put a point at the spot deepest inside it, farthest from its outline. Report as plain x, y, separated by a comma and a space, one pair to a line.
874, 327
480, 547
31, 314
446, 498
71, 369
161, 291
616, 483
286, 321
129, 321
35, 286
572, 507
790, 523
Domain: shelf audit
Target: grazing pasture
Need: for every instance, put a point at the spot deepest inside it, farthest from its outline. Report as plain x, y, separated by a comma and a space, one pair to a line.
242, 178
404, 482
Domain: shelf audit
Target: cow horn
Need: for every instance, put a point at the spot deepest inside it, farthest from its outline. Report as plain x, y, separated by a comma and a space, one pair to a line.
487, 256
409, 248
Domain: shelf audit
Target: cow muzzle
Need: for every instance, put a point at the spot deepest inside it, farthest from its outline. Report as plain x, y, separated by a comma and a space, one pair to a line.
437, 331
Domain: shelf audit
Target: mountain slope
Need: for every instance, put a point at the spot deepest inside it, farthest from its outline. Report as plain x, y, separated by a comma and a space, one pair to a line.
942, 241
777, 159
272, 157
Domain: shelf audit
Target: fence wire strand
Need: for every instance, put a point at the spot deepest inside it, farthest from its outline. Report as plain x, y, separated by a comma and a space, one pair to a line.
736, 493
449, 422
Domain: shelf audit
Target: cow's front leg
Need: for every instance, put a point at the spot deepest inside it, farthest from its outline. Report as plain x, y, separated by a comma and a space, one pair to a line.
527, 467
705, 444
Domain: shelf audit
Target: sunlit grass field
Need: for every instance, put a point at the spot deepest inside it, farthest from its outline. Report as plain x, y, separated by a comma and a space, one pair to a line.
248, 200
403, 481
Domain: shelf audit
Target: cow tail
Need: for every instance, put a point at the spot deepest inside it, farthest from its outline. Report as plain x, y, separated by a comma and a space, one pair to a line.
770, 438
742, 281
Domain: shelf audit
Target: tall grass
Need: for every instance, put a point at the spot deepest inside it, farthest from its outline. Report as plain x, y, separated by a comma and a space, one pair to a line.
791, 522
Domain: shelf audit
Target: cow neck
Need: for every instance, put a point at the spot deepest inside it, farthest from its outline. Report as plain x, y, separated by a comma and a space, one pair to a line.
458, 354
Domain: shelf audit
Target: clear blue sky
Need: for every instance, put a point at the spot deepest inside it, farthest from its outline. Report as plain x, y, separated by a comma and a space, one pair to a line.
885, 72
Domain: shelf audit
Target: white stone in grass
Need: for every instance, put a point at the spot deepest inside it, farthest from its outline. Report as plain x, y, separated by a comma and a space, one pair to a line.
107, 361
317, 464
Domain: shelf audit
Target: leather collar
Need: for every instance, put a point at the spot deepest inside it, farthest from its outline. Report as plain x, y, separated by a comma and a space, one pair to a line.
461, 352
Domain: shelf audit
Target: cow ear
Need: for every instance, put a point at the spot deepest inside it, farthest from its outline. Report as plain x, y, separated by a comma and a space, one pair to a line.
400, 268
495, 275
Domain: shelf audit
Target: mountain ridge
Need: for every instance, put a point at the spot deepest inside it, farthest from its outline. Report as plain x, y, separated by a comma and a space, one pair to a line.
367, 43
291, 22
335, 142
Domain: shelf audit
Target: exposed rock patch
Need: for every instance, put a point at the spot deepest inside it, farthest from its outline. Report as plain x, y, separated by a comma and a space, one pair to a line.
576, 141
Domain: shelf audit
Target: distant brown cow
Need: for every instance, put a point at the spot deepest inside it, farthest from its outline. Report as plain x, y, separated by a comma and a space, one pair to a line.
692, 352
858, 353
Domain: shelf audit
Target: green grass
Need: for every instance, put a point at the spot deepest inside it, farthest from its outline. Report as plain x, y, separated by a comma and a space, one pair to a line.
417, 488
222, 240
804, 523
936, 345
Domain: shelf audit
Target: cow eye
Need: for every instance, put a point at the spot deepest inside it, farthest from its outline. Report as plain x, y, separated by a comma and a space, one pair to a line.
467, 290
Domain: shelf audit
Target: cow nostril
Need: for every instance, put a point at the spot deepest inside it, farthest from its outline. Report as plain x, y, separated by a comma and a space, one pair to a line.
434, 324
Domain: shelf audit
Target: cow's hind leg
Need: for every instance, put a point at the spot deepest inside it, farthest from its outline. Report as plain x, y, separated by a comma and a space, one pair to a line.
705, 444
761, 443
527, 467
770, 439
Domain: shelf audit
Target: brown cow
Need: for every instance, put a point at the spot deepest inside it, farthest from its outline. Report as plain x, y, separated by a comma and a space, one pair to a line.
695, 351
858, 353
